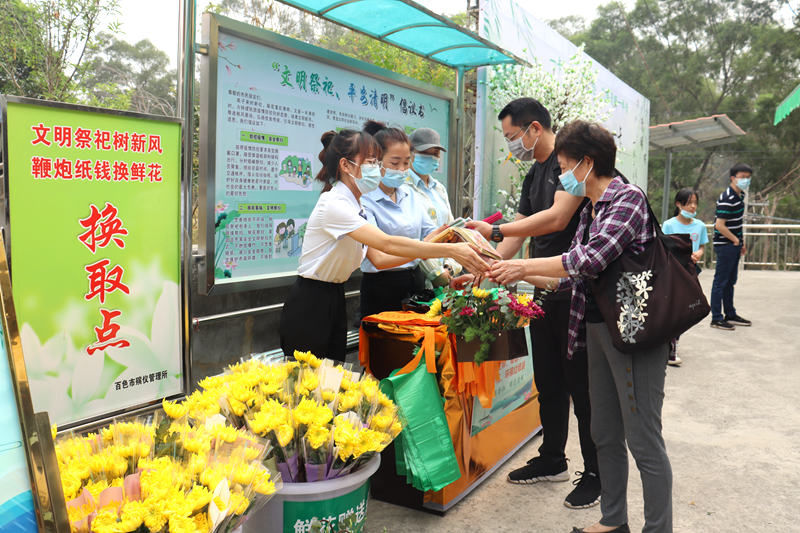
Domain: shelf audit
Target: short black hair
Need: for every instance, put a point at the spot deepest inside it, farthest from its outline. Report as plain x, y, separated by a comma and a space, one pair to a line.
683, 197
740, 167
580, 138
523, 111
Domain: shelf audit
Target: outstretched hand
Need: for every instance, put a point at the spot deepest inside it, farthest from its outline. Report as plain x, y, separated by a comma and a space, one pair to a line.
508, 272
462, 280
469, 258
484, 228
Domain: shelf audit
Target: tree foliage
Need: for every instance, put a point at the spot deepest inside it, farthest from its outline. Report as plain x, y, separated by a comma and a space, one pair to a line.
271, 15
44, 43
695, 58
128, 76
568, 95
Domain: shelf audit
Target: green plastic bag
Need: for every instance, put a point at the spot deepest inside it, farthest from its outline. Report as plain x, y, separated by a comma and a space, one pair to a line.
424, 450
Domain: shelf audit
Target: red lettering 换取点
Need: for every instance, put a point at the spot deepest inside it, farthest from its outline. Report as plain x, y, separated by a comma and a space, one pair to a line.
102, 227
107, 333
103, 281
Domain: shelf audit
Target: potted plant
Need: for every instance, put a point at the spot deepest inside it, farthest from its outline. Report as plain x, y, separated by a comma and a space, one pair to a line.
487, 322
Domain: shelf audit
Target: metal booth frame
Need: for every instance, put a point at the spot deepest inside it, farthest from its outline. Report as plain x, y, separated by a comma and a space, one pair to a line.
212, 25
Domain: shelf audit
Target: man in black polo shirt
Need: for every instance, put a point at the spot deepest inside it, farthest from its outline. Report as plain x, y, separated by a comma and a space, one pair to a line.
729, 247
550, 215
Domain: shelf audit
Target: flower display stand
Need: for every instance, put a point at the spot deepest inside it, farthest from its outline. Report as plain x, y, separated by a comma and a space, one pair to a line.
333, 505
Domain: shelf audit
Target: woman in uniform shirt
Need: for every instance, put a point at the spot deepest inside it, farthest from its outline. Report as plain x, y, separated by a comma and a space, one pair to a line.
337, 239
395, 210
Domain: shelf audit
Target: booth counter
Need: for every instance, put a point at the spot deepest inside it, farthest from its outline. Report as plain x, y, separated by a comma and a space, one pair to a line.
492, 410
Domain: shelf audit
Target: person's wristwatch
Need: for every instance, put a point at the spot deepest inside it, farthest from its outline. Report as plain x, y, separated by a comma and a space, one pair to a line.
497, 235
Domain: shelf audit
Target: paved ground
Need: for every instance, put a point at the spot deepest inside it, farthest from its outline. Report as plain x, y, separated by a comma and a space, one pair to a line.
731, 422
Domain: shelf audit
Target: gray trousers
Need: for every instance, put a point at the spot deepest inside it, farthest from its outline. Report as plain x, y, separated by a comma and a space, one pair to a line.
627, 392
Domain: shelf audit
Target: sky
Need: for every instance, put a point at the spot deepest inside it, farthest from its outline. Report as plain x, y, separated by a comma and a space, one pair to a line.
157, 20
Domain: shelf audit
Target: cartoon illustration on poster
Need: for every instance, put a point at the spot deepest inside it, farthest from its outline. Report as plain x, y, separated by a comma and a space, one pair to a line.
289, 234
295, 172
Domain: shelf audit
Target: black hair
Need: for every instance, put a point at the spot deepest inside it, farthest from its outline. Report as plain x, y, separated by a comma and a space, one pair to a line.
740, 167
348, 144
384, 135
523, 111
580, 138
683, 197
290, 222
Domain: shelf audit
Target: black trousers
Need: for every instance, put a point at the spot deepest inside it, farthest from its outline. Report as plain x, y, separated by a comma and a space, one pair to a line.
557, 379
314, 319
385, 291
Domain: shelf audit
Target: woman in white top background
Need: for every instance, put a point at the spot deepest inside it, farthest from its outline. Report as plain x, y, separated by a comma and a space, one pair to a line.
337, 239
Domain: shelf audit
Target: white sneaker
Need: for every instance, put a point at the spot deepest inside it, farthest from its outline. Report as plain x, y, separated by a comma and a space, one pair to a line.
675, 362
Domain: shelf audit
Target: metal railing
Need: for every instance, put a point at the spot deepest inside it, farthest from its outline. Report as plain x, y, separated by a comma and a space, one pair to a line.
769, 247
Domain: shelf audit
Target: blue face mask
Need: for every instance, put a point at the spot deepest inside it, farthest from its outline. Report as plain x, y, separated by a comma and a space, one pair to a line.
394, 178
687, 214
425, 164
370, 177
743, 183
571, 183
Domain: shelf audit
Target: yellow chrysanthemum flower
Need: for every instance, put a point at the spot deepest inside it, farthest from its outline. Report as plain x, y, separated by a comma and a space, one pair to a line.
317, 436
349, 400
435, 309
369, 388
285, 433
174, 410
239, 503
480, 293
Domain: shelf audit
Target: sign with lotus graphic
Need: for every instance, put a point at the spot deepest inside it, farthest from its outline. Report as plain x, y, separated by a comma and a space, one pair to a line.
94, 214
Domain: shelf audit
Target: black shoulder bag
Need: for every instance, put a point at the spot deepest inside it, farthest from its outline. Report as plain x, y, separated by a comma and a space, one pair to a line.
650, 298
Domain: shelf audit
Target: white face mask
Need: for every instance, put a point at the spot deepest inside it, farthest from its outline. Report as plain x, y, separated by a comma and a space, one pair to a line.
370, 177
517, 147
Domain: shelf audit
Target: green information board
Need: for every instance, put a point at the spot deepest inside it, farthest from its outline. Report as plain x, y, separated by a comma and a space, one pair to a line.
266, 102
94, 213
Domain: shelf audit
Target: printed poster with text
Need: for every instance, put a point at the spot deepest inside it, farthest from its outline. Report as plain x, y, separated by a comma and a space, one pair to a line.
17, 512
272, 108
94, 203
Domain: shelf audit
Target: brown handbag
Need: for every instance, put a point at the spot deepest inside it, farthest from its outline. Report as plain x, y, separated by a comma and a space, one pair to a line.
650, 298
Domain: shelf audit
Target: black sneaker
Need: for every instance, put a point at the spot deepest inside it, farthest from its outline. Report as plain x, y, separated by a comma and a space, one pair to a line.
621, 529
738, 321
722, 324
539, 469
586, 492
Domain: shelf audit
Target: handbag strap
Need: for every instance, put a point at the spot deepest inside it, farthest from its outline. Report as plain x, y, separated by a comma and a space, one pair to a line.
653, 220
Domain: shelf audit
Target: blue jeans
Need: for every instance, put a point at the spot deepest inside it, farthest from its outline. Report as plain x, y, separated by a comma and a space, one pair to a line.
724, 279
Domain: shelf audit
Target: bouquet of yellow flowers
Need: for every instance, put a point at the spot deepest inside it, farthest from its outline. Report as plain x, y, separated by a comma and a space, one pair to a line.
163, 476
322, 420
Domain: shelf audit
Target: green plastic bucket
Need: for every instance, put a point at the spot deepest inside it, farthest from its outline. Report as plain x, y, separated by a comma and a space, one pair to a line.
336, 503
